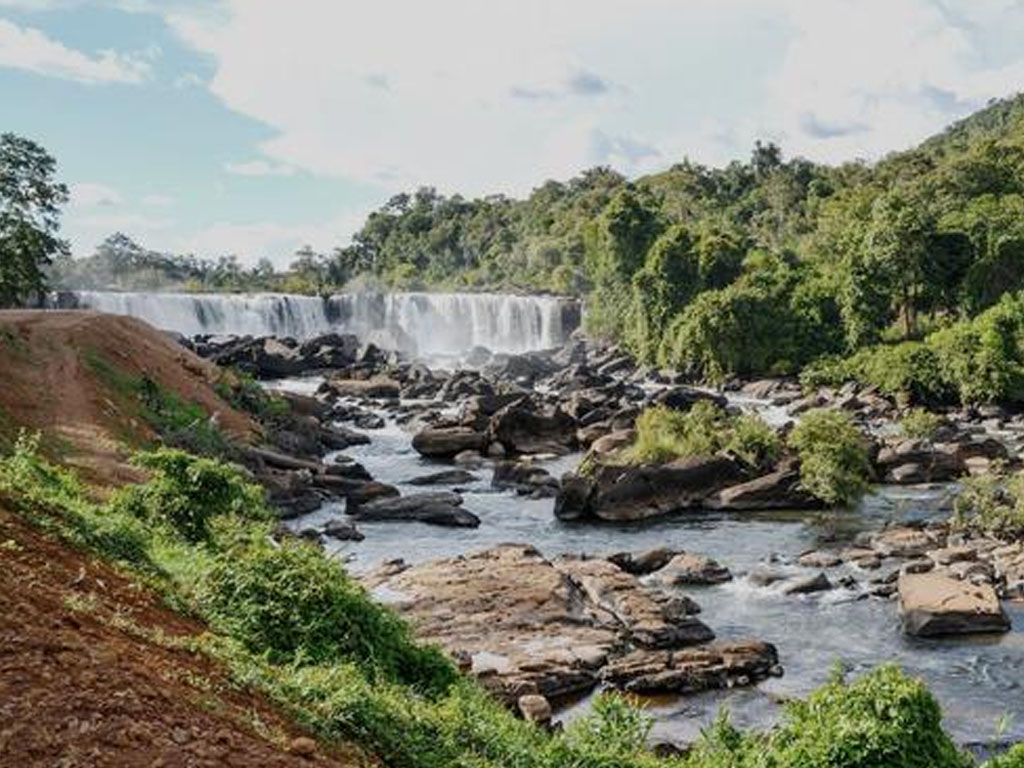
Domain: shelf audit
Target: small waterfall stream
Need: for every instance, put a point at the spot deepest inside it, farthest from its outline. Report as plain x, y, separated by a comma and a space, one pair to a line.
426, 324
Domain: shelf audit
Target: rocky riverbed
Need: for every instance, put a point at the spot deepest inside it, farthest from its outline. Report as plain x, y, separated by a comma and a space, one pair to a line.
421, 478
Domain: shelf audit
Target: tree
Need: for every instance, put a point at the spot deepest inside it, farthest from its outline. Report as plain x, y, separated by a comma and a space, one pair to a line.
30, 202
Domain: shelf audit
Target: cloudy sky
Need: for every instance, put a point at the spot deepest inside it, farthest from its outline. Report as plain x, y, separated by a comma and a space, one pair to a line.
255, 126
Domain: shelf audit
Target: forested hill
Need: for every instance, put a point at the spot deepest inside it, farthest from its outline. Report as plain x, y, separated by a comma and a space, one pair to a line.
760, 266
763, 266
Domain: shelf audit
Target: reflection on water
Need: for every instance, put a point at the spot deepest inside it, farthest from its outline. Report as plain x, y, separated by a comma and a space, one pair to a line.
978, 680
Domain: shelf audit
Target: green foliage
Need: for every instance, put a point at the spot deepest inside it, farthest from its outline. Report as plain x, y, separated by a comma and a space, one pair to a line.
286, 620
664, 434
919, 424
883, 718
244, 393
1012, 758
292, 603
187, 492
30, 203
992, 504
834, 464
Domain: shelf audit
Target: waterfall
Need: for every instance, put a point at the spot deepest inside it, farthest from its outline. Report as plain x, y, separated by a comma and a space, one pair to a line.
426, 324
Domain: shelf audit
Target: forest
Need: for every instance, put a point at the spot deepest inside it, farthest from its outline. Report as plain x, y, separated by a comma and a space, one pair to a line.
900, 273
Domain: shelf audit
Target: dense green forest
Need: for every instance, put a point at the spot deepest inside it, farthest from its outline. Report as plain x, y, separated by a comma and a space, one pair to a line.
900, 273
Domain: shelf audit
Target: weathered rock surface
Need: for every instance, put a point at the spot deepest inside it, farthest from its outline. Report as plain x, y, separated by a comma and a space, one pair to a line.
445, 477
937, 604
689, 568
438, 508
447, 442
644, 491
531, 626
776, 490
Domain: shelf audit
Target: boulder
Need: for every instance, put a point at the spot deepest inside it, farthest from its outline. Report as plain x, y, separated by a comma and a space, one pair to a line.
934, 604
444, 477
776, 490
437, 508
693, 670
683, 398
364, 493
342, 531
377, 388
524, 427
645, 562
446, 442
688, 568
534, 708
643, 491
804, 585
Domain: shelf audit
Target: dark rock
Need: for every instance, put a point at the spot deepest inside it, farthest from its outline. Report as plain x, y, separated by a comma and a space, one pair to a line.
342, 531
437, 508
447, 442
445, 477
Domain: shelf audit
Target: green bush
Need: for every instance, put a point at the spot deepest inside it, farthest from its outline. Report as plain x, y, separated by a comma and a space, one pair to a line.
919, 424
991, 504
1013, 758
187, 492
292, 602
664, 434
753, 441
882, 719
834, 464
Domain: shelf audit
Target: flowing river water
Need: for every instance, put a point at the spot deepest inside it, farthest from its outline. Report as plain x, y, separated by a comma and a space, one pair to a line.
978, 680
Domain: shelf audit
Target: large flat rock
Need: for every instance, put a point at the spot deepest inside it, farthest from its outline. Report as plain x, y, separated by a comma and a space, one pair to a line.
525, 625
934, 604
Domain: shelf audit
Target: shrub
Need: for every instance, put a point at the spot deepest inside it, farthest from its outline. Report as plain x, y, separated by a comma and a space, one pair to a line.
834, 464
753, 441
294, 604
919, 424
992, 504
187, 492
883, 719
1013, 758
665, 434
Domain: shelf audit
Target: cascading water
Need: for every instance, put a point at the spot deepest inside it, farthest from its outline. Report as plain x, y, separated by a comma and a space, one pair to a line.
427, 324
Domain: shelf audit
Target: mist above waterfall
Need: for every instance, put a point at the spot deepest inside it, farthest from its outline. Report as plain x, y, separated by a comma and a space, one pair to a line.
424, 324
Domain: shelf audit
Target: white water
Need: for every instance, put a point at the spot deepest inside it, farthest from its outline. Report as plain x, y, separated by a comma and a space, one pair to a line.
427, 324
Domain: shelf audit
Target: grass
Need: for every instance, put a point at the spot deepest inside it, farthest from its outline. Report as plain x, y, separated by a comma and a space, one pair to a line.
179, 423
664, 434
287, 620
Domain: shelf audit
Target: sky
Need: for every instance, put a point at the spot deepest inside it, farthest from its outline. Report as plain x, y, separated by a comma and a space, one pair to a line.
253, 127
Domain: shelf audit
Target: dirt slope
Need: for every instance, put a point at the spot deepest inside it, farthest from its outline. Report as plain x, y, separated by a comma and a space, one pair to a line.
49, 381
81, 685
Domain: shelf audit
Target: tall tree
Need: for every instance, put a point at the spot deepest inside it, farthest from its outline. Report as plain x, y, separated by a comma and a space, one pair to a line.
30, 203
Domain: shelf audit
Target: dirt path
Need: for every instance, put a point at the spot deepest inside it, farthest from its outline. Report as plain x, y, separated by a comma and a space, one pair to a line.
81, 686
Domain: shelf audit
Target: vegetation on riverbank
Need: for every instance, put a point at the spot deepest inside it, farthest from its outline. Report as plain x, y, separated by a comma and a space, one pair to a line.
286, 619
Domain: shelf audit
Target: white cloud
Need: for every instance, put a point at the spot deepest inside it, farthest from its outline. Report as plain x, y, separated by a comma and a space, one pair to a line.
259, 168
864, 77
251, 241
91, 194
32, 50
481, 97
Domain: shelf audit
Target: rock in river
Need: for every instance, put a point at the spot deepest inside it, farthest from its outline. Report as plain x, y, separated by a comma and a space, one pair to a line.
533, 626
936, 604
438, 508
446, 442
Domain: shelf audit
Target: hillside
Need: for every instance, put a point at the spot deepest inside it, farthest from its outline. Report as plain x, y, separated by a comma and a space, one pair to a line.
77, 377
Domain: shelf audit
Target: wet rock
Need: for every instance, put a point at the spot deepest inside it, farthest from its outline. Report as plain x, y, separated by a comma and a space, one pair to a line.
339, 438
934, 604
525, 478
525, 427
613, 443
776, 490
955, 554
377, 388
620, 594
366, 493
645, 562
342, 531
437, 508
762, 576
532, 626
820, 559
639, 492
903, 542
469, 459
445, 477
804, 585
693, 670
447, 442
688, 568
683, 398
